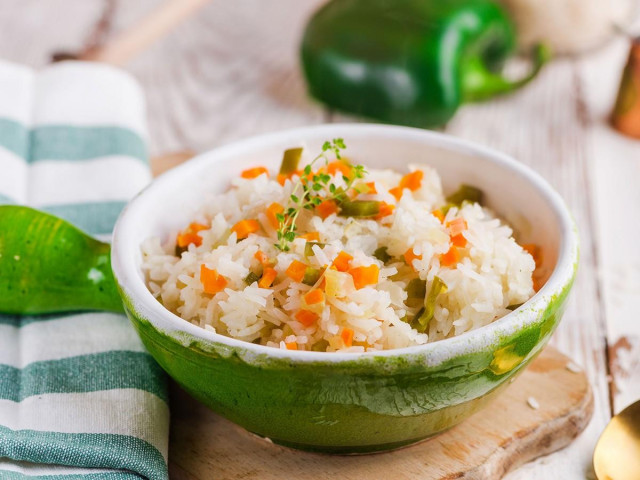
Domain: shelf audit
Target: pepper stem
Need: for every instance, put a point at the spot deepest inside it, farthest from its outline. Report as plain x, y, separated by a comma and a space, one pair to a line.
479, 83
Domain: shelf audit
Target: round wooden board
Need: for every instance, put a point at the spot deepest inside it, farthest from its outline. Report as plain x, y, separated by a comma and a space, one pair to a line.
505, 435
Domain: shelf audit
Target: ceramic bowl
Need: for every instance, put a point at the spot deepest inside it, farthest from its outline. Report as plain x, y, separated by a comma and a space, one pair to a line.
350, 402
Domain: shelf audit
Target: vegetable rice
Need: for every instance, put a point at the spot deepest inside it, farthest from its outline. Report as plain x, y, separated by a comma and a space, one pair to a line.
332, 257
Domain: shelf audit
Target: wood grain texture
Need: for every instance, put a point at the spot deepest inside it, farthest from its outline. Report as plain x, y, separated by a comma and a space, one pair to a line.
233, 71
506, 434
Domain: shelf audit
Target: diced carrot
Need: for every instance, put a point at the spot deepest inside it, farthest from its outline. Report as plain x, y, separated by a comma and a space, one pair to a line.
396, 192
314, 296
261, 257
291, 346
211, 281
254, 172
197, 227
273, 210
457, 226
347, 336
268, 276
341, 262
184, 239
306, 317
385, 210
452, 257
339, 166
282, 178
296, 271
245, 227
459, 240
363, 276
372, 188
438, 214
412, 180
409, 257
311, 236
326, 208
534, 251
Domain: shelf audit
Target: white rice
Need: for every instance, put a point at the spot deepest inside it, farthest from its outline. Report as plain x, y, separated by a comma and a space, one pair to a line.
494, 271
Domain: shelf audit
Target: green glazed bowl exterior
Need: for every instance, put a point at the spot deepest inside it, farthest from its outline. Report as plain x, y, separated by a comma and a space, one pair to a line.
348, 403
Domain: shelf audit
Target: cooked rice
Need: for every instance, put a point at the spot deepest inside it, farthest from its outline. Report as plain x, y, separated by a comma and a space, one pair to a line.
493, 273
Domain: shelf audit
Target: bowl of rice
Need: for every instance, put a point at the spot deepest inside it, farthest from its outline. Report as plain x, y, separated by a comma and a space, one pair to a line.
346, 288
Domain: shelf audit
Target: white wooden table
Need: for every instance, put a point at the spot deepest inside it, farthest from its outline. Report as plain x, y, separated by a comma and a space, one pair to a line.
232, 71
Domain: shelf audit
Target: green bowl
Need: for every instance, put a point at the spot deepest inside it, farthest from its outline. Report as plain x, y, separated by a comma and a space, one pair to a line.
351, 402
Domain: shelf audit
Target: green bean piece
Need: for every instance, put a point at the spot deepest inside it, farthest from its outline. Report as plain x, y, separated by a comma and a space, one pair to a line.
466, 193
290, 160
421, 323
514, 306
359, 208
417, 288
251, 278
320, 346
311, 276
382, 255
308, 248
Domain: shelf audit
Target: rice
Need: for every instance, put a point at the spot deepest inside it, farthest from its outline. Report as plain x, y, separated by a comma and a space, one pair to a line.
491, 271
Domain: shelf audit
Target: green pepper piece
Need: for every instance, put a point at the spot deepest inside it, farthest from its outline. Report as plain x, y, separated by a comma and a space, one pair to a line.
359, 208
421, 322
311, 276
290, 161
409, 62
308, 248
251, 278
47, 265
382, 255
320, 346
466, 193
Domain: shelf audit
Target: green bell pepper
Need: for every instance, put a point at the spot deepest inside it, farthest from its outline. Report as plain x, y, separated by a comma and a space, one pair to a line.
409, 62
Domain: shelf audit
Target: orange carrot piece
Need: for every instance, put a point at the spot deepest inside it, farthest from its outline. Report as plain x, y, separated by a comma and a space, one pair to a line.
347, 336
291, 346
385, 210
245, 227
396, 192
372, 188
311, 236
339, 166
254, 172
363, 276
273, 210
306, 317
261, 257
459, 240
341, 262
438, 214
211, 281
457, 226
314, 296
184, 239
196, 227
409, 257
296, 271
452, 257
268, 276
326, 208
412, 180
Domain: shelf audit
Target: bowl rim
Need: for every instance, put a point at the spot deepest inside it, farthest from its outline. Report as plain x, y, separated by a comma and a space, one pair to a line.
135, 291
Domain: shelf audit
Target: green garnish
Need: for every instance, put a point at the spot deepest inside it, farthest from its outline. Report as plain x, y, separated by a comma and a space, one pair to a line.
310, 196
424, 316
382, 255
359, 208
311, 276
251, 278
308, 248
290, 160
466, 193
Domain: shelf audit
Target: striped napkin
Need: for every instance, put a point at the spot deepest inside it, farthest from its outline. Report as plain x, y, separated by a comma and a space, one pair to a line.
79, 396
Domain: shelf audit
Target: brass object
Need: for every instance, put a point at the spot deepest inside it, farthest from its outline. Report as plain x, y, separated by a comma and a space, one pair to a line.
617, 453
626, 113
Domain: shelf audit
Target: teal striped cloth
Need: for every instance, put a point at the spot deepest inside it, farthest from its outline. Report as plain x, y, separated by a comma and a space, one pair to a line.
79, 395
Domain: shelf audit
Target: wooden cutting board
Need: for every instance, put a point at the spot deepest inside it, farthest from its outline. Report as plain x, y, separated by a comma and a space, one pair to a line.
508, 433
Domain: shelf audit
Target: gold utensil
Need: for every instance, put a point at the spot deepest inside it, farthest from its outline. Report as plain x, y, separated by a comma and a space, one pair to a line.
617, 453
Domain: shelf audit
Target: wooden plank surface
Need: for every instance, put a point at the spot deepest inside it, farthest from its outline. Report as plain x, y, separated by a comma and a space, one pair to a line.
542, 411
232, 71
